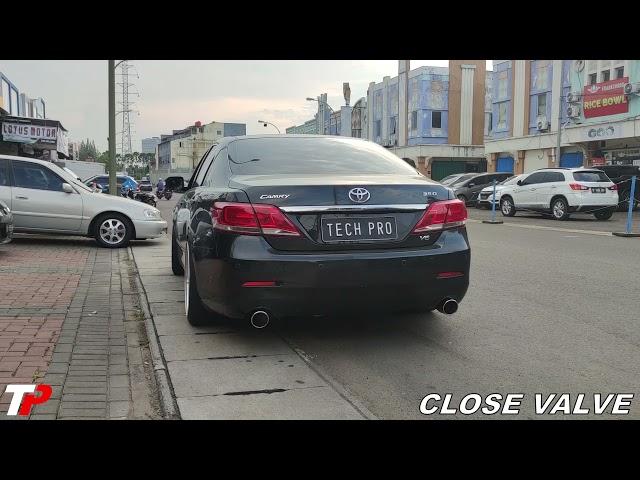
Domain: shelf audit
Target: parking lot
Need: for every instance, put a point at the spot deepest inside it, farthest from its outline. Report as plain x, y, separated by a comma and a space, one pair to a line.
550, 309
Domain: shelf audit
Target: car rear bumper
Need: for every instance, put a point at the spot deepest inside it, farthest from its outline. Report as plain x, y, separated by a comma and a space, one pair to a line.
150, 228
582, 202
325, 283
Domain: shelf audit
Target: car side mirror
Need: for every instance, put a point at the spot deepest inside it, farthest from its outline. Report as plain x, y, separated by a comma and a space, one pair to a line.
66, 188
520, 182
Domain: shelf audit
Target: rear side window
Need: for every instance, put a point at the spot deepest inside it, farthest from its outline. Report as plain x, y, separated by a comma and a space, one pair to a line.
554, 177
591, 176
313, 156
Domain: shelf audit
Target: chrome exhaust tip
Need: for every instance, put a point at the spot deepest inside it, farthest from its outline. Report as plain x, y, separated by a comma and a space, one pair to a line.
260, 319
448, 306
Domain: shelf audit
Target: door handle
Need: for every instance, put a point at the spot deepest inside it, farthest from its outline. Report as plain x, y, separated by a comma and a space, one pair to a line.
21, 198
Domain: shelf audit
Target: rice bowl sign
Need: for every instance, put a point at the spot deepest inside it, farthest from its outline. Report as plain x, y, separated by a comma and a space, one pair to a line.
605, 98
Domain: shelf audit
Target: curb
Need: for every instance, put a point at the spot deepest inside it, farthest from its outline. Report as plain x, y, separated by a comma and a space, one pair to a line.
167, 400
339, 389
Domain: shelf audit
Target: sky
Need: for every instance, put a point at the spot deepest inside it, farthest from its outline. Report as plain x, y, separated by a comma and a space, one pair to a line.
174, 94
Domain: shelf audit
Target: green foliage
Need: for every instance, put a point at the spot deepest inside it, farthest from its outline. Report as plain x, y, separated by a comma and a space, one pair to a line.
88, 150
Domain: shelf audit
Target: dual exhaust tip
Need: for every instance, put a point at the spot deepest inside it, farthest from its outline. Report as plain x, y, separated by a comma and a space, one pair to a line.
448, 306
261, 319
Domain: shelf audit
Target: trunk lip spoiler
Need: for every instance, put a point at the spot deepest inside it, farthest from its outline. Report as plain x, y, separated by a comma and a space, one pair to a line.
407, 207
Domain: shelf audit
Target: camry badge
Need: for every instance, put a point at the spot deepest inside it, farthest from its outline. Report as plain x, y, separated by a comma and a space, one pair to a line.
359, 195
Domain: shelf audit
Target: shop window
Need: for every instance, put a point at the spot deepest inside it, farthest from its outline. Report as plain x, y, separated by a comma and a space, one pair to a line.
593, 78
605, 75
542, 104
436, 119
502, 115
503, 78
414, 120
619, 72
392, 125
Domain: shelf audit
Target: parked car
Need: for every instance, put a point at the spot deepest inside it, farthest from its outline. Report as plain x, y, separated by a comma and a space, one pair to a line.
562, 191
456, 177
6, 220
146, 185
621, 176
276, 226
468, 188
485, 198
175, 184
122, 181
44, 198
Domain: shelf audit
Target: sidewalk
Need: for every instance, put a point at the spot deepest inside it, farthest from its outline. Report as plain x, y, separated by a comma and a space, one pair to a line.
222, 371
69, 317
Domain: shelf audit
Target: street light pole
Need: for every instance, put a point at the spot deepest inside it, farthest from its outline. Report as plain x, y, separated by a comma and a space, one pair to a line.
265, 123
309, 99
112, 129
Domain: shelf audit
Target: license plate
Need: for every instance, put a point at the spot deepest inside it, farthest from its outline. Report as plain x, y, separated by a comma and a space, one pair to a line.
597, 189
339, 229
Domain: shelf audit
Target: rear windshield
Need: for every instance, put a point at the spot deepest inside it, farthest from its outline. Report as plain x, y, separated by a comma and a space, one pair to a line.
462, 178
591, 176
313, 156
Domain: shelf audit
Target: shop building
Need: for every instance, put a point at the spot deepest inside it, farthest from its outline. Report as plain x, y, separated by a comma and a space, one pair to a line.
595, 102
432, 115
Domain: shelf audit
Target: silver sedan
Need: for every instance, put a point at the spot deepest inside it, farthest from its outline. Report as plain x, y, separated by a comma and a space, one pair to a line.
44, 198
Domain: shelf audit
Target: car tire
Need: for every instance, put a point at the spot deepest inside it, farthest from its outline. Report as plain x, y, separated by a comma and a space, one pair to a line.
604, 214
112, 230
559, 209
176, 265
507, 207
197, 315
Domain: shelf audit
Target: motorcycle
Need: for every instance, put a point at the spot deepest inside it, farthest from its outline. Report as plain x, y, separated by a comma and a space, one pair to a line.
166, 193
143, 197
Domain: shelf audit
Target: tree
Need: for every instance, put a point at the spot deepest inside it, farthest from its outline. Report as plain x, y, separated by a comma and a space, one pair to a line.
88, 150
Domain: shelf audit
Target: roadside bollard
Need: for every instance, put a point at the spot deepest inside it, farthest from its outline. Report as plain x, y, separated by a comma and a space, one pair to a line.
493, 208
628, 232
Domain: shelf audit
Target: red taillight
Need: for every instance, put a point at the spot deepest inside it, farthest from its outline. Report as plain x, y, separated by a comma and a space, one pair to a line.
273, 221
450, 274
577, 186
259, 284
613, 187
251, 220
441, 215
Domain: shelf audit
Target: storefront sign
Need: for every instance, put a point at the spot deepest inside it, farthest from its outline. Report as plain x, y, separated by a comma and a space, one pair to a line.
602, 132
605, 98
26, 133
597, 161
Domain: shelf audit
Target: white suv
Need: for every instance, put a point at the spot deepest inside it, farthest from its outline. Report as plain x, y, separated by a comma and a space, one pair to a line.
561, 191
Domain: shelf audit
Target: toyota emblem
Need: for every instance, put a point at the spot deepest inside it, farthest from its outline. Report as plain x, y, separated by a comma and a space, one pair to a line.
359, 195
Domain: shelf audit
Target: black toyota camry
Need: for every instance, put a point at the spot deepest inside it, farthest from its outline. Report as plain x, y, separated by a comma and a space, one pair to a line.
302, 225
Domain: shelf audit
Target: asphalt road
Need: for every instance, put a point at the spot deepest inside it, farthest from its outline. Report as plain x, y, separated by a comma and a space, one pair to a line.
549, 310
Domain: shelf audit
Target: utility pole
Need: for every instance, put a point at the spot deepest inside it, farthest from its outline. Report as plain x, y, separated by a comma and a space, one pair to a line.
559, 120
112, 128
